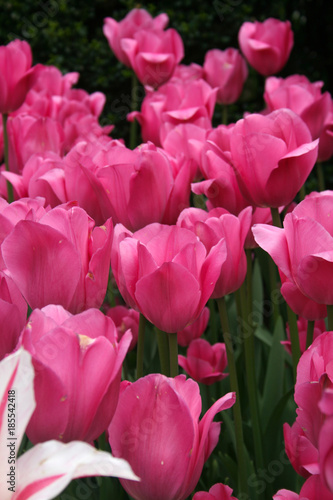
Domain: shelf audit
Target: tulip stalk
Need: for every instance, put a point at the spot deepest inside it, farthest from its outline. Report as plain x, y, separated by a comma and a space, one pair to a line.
140, 347
163, 352
10, 193
320, 177
246, 311
240, 452
173, 354
309, 333
330, 317
134, 124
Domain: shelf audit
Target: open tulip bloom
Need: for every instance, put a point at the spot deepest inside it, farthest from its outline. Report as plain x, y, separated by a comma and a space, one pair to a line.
46, 469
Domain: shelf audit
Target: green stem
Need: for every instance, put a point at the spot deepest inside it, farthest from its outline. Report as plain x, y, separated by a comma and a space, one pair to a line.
246, 309
10, 192
224, 114
276, 217
320, 176
330, 317
134, 105
173, 354
302, 193
140, 347
163, 352
212, 321
309, 333
294, 338
234, 387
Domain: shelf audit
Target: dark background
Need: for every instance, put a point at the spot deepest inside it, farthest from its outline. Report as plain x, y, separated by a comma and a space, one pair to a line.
68, 34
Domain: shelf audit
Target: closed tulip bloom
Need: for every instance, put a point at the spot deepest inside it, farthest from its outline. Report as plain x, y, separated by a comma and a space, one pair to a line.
130, 179
16, 75
195, 329
154, 54
227, 71
135, 20
125, 319
272, 155
78, 363
13, 314
61, 259
303, 249
165, 272
211, 229
217, 492
156, 428
204, 362
266, 45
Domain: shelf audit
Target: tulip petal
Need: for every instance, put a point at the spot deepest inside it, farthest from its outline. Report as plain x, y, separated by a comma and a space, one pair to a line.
46, 469
168, 297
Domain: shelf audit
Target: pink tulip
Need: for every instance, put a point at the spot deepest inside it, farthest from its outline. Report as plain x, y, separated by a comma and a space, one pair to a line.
157, 273
130, 178
204, 362
303, 249
29, 135
297, 93
156, 428
312, 489
272, 155
195, 329
175, 102
13, 314
227, 71
266, 45
210, 230
302, 324
189, 72
42, 176
300, 303
46, 469
16, 75
78, 363
61, 259
217, 492
153, 54
125, 319
135, 20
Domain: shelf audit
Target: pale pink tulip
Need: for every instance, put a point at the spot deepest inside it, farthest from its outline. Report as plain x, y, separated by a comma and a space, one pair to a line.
217, 492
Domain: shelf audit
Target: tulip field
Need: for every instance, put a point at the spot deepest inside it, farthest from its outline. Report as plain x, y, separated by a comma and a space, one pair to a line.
166, 299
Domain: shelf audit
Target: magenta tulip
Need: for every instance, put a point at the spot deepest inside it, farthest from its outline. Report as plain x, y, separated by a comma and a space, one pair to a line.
227, 71
135, 20
195, 329
61, 259
272, 155
303, 249
78, 364
16, 74
13, 314
302, 323
165, 272
153, 54
44, 470
204, 362
130, 178
297, 93
175, 102
210, 229
266, 45
125, 319
156, 428
217, 492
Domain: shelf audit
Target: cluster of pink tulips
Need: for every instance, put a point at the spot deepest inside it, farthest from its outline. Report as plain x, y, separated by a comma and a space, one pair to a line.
198, 249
